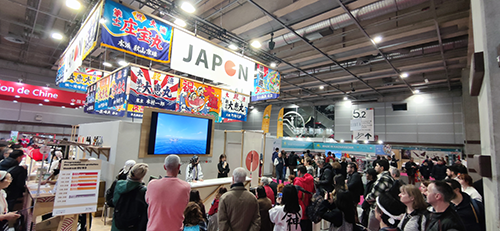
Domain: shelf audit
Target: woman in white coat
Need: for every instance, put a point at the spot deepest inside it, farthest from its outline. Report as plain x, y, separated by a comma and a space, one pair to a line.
286, 217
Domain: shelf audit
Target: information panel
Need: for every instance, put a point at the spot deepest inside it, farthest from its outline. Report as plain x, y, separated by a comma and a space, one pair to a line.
77, 188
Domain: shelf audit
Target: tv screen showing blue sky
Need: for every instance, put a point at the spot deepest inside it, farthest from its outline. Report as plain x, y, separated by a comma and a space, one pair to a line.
176, 134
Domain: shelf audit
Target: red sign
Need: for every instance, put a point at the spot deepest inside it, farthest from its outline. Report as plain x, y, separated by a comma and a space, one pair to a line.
35, 94
252, 161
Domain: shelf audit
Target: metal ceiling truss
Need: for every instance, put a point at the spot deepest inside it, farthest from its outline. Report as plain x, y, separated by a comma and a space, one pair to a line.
438, 31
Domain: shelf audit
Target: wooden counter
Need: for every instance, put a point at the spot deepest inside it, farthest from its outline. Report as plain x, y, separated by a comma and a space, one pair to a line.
208, 188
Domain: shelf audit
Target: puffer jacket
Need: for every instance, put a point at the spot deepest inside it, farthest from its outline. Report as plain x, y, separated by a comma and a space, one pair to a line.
326, 178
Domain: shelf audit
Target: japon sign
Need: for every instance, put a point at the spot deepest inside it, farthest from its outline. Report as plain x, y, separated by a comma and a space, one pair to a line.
200, 58
135, 33
25, 91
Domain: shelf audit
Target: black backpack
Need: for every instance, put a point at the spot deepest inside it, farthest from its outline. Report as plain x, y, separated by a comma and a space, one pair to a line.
312, 209
109, 194
129, 210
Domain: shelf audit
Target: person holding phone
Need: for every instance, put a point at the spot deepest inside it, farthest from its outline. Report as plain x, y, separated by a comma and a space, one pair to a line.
5, 216
223, 166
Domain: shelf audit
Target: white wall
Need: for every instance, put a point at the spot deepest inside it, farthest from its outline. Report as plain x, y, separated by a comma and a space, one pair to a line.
430, 119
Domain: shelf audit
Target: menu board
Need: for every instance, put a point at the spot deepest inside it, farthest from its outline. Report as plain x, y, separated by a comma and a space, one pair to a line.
77, 188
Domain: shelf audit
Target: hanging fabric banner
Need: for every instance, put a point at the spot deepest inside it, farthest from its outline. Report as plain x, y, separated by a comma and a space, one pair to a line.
89, 106
234, 106
198, 98
266, 84
102, 94
134, 111
82, 78
152, 89
266, 118
279, 130
117, 88
135, 33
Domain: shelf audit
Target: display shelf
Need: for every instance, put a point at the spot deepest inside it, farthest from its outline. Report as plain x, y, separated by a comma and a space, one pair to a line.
86, 148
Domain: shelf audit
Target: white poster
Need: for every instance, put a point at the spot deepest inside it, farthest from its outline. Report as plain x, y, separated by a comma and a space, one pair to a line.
79, 47
366, 131
252, 150
234, 106
77, 187
200, 58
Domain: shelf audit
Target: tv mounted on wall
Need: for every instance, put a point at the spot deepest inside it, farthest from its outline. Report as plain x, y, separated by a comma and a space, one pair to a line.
166, 132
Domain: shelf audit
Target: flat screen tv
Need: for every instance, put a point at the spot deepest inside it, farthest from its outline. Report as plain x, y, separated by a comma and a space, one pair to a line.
166, 132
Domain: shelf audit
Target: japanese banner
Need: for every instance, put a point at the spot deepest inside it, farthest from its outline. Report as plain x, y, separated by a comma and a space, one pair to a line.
102, 94
117, 88
82, 78
198, 98
134, 111
234, 106
266, 84
135, 33
78, 49
89, 106
152, 89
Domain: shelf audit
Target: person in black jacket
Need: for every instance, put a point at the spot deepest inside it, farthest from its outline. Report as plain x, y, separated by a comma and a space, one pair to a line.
19, 174
425, 170
279, 165
223, 166
354, 182
411, 170
292, 162
439, 170
371, 177
337, 207
471, 212
325, 181
444, 217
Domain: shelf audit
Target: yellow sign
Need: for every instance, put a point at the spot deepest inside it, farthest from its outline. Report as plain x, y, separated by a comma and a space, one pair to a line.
266, 117
279, 132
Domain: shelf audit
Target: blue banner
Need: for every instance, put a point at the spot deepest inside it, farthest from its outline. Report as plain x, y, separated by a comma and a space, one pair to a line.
117, 88
153, 89
295, 144
365, 148
89, 103
234, 106
266, 84
135, 33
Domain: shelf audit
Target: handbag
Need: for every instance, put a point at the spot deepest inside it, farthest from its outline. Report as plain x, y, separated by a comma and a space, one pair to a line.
276, 162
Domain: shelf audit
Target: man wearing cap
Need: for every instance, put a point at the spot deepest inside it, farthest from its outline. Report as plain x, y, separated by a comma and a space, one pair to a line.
19, 174
193, 170
167, 198
383, 183
389, 212
444, 217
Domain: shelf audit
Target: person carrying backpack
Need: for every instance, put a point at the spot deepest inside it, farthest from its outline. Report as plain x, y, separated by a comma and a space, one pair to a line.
131, 209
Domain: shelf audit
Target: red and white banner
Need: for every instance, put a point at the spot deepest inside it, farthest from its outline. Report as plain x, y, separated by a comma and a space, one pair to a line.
22, 92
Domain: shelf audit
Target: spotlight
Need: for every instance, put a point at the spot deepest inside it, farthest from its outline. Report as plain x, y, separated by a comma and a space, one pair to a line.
46, 100
233, 47
57, 36
252, 107
14, 101
416, 91
377, 39
366, 141
404, 75
40, 104
345, 98
188, 7
273, 64
73, 4
17, 96
180, 22
106, 64
122, 63
321, 87
342, 141
72, 104
271, 43
380, 142
256, 44
354, 141
63, 107
426, 80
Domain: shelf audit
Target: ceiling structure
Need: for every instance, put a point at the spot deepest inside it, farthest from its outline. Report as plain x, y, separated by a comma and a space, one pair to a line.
325, 49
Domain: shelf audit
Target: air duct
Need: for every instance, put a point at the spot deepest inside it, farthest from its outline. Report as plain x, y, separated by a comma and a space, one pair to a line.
368, 12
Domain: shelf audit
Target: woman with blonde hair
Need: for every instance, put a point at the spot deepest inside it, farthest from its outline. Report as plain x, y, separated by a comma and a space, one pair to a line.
416, 209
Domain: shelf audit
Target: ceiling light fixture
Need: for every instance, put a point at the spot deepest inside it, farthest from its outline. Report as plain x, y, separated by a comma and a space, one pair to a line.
57, 36
15, 101
180, 22
252, 107
106, 64
273, 65
271, 43
426, 80
188, 7
377, 39
342, 141
72, 104
354, 141
46, 100
345, 98
233, 47
122, 63
63, 106
40, 104
256, 44
17, 96
380, 142
404, 75
321, 87
366, 141
73, 4
416, 91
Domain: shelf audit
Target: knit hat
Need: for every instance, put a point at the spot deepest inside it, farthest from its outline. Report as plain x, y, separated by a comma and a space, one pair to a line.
2, 175
128, 165
138, 172
393, 209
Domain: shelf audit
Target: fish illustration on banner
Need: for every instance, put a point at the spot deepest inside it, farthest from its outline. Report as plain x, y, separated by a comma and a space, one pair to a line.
152, 89
234, 106
82, 78
266, 84
135, 33
102, 94
279, 130
198, 98
266, 118
117, 88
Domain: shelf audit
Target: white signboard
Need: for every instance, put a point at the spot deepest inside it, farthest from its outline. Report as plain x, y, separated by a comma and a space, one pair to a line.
200, 58
366, 132
79, 47
77, 187
356, 124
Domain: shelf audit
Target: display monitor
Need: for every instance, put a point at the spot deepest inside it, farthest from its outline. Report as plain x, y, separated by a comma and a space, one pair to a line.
166, 132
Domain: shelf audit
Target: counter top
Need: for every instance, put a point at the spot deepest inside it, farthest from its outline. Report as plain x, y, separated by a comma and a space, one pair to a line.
212, 182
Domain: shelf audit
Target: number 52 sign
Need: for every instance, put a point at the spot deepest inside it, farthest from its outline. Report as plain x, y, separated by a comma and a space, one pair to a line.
366, 130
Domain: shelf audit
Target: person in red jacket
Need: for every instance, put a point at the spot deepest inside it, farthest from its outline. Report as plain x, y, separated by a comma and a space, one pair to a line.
269, 191
306, 181
215, 204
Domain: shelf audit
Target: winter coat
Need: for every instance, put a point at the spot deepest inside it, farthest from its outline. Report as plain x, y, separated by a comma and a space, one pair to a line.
232, 216
326, 178
125, 186
222, 171
307, 183
19, 174
447, 220
439, 171
355, 185
264, 207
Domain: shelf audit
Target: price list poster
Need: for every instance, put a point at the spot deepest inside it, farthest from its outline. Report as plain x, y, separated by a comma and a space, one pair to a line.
77, 187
